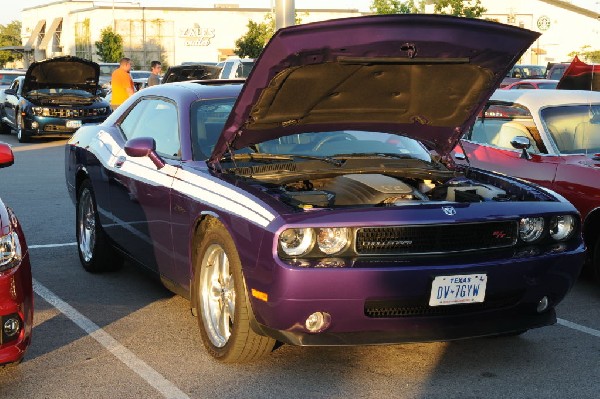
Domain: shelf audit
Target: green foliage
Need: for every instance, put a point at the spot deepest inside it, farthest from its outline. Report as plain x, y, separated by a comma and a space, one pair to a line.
586, 54
459, 8
396, 7
258, 34
10, 35
110, 46
253, 42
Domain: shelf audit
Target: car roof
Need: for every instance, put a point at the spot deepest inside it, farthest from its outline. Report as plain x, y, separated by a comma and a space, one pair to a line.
535, 98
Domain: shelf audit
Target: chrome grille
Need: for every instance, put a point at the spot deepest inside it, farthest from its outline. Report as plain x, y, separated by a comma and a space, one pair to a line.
401, 240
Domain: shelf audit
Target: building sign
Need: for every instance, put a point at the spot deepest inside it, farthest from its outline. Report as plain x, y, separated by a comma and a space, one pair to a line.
197, 36
543, 23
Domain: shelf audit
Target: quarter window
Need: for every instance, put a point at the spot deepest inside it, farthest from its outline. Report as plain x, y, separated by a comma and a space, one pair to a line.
155, 118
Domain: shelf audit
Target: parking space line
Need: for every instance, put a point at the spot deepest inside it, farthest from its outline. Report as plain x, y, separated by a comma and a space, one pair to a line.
578, 327
151, 376
66, 244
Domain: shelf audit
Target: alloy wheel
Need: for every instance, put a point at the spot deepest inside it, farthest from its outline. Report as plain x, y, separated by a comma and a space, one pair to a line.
87, 225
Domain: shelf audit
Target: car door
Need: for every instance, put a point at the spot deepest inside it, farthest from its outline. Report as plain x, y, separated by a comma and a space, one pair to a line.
11, 100
488, 146
140, 193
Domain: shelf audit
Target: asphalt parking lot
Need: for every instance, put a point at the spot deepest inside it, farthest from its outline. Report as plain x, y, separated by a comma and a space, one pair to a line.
122, 335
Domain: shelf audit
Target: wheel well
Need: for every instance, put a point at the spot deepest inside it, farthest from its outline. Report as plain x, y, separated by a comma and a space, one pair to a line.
591, 229
81, 176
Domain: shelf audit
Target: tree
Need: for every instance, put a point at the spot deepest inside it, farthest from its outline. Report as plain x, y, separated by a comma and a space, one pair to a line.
10, 35
253, 42
110, 46
396, 7
459, 8
587, 54
257, 36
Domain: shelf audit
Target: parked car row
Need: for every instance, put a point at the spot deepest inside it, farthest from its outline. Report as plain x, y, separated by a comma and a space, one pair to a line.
350, 214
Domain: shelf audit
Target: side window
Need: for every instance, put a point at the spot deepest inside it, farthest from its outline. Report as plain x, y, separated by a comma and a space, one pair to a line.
15, 85
524, 86
154, 118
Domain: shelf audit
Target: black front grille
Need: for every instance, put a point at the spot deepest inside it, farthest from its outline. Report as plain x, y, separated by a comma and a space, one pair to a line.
75, 113
395, 308
401, 240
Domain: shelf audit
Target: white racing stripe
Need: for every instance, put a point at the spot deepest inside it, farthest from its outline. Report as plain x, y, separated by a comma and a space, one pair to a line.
578, 327
148, 374
66, 244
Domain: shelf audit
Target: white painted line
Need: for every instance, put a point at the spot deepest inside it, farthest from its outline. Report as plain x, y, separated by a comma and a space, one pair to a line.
578, 327
151, 376
66, 244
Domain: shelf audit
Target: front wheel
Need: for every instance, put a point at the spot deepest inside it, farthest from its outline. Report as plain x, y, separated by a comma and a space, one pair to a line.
22, 134
223, 307
95, 252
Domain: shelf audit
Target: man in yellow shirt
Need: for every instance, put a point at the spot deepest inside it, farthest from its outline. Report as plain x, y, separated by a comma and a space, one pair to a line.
121, 83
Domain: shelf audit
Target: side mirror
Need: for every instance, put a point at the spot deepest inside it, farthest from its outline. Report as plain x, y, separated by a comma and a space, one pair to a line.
6, 155
10, 91
144, 147
521, 143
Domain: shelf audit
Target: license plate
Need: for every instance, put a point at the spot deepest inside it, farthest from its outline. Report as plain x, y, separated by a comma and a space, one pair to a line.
459, 289
74, 124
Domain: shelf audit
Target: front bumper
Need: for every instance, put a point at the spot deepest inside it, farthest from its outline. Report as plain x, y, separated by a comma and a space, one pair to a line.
384, 305
46, 125
16, 302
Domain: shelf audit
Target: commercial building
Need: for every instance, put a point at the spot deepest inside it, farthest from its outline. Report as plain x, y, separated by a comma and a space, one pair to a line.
194, 34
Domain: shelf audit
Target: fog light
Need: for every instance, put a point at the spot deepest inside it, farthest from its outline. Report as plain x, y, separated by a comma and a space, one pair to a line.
317, 322
34, 125
12, 326
543, 304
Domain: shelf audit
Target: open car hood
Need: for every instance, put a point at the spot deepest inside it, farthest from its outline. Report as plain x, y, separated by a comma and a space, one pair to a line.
422, 76
580, 76
62, 73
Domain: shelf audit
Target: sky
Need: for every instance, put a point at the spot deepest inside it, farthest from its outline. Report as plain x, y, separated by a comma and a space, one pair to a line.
11, 10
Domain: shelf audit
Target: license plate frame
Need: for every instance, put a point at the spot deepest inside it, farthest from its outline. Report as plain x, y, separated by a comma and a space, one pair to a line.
73, 124
458, 289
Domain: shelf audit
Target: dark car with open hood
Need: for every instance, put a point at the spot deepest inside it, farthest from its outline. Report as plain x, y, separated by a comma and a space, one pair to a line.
317, 203
16, 292
55, 97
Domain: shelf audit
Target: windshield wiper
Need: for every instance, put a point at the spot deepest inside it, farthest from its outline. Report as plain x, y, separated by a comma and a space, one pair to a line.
376, 155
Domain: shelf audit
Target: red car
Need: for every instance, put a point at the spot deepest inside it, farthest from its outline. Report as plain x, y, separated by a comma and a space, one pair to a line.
16, 292
580, 76
549, 137
532, 84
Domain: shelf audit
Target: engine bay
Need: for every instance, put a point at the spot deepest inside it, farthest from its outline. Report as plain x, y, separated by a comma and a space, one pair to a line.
384, 190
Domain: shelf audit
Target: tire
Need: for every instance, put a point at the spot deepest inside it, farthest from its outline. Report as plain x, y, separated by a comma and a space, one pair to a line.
594, 266
95, 252
223, 307
4, 128
22, 134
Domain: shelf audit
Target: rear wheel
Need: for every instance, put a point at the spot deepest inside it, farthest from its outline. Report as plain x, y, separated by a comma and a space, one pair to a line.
22, 134
594, 265
223, 307
95, 252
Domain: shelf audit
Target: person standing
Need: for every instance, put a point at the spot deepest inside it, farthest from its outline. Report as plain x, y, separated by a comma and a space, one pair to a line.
121, 83
154, 78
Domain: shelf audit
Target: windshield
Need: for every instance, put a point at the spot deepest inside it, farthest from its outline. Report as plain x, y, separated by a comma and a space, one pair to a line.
208, 119
575, 128
107, 70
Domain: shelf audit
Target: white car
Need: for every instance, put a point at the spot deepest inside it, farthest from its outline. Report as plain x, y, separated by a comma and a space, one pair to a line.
236, 68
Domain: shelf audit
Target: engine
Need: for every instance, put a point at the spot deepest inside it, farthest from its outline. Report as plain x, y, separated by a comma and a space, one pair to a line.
383, 190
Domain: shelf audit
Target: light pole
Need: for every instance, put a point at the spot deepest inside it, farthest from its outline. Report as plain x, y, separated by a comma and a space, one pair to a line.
285, 13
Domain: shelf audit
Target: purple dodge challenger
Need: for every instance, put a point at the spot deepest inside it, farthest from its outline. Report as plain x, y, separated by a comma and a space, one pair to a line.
315, 204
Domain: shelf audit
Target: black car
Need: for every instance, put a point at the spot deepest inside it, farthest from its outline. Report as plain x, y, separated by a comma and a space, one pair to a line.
55, 97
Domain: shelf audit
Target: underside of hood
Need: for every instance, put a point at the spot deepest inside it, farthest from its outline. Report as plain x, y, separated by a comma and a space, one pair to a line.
62, 73
422, 76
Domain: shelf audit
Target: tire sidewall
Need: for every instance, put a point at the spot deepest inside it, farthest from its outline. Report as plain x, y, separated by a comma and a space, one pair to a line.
86, 185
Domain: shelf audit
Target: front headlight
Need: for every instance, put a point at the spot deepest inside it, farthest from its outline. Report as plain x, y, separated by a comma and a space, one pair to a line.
296, 242
332, 240
561, 227
531, 229
10, 251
